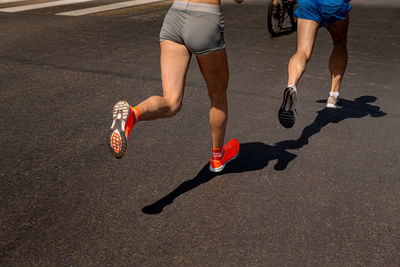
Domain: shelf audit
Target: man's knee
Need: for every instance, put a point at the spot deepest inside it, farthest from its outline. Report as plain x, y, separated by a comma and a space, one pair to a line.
304, 53
340, 43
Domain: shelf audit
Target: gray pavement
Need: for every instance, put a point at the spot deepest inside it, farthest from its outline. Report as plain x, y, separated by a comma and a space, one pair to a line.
324, 193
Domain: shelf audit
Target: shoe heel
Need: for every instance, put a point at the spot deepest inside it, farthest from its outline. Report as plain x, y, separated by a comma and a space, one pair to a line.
116, 138
286, 114
121, 107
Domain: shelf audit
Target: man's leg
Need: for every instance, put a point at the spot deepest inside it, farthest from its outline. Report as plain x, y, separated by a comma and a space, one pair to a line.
338, 59
214, 67
306, 33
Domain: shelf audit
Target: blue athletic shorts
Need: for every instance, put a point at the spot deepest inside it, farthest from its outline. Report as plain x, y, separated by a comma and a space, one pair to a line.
322, 11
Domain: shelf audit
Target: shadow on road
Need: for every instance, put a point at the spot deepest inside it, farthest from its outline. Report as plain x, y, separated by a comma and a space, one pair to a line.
350, 110
256, 155
252, 156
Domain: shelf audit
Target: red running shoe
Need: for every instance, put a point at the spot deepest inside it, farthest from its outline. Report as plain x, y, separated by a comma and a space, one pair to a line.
123, 121
230, 152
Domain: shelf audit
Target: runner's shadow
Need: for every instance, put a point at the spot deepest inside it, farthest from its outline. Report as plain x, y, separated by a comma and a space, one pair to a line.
252, 156
349, 110
257, 155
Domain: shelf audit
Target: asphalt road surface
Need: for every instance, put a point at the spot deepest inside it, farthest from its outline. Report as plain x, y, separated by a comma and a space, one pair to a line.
324, 193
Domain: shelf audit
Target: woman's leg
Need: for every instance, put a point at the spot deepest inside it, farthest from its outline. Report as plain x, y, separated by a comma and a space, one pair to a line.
214, 68
174, 61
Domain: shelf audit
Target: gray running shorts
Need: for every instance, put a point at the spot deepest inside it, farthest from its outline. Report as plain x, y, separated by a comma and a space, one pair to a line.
198, 26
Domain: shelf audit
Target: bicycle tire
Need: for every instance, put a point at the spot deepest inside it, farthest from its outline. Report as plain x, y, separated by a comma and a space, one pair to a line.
293, 19
271, 19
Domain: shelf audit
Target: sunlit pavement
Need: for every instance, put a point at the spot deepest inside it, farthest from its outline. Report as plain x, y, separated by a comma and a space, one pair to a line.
324, 193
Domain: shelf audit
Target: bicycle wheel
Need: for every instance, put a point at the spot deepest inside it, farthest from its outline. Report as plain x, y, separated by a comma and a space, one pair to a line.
293, 19
274, 18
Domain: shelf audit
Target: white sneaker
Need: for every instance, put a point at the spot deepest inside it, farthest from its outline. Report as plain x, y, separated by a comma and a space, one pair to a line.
333, 102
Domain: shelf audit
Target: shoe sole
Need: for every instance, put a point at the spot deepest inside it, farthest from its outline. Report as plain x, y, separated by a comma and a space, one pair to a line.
221, 168
286, 118
331, 106
117, 139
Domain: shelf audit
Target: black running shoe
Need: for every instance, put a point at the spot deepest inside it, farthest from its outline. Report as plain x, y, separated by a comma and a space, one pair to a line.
286, 112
